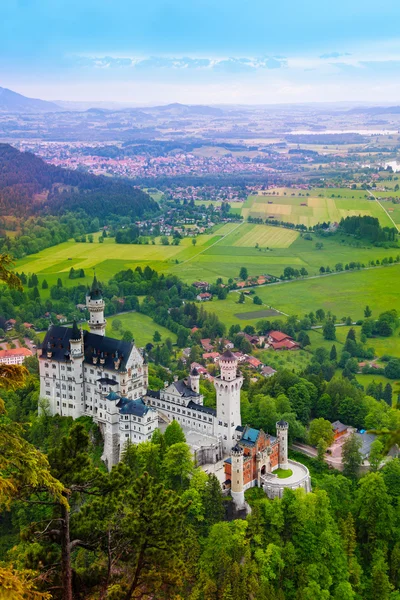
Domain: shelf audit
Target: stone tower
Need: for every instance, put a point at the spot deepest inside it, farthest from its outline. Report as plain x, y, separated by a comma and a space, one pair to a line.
112, 448
237, 481
282, 434
95, 306
194, 380
228, 386
76, 356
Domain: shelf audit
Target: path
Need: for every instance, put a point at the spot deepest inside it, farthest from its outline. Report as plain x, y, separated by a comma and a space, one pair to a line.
383, 208
217, 242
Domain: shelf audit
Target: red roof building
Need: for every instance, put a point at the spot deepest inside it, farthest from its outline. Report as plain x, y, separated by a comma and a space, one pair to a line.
15, 356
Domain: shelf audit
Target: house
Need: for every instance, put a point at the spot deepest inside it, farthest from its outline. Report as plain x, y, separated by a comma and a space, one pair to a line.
15, 356
240, 356
227, 344
212, 356
81, 307
10, 324
277, 336
288, 344
339, 429
200, 369
207, 345
61, 318
268, 371
28, 325
204, 297
253, 362
252, 339
194, 329
201, 285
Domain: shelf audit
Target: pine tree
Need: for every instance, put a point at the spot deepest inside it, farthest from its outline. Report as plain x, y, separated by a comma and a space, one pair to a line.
367, 312
333, 353
174, 434
387, 394
45, 285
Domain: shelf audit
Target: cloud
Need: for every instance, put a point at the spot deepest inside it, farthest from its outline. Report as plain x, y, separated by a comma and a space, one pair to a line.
334, 55
231, 64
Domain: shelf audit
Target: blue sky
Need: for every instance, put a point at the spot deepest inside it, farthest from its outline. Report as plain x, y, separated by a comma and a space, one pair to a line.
220, 51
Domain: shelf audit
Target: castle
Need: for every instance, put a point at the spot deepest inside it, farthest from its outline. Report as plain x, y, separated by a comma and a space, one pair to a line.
87, 373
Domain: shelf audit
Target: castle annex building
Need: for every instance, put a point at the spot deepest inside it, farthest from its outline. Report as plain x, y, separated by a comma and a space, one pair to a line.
86, 373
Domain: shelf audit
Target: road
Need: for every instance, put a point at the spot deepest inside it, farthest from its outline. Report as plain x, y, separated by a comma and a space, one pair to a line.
383, 208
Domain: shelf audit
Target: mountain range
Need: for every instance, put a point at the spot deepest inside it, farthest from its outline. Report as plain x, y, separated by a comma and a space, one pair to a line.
12, 102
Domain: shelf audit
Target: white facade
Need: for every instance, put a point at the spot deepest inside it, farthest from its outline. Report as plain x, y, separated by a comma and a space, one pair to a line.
228, 386
85, 373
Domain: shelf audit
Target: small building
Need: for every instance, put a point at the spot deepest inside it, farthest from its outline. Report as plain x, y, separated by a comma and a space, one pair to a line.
268, 371
339, 429
15, 356
211, 356
253, 362
201, 285
204, 297
207, 345
61, 318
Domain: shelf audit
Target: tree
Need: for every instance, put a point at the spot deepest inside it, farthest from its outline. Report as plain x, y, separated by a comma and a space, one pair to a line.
257, 300
321, 449
156, 336
319, 245
320, 429
387, 394
116, 324
329, 330
59, 283
320, 314
174, 434
90, 238
241, 298
243, 274
333, 353
45, 285
194, 241
367, 312
351, 456
177, 466
375, 455
127, 336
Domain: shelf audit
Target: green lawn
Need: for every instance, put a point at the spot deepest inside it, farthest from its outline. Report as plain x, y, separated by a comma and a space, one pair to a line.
142, 327
283, 473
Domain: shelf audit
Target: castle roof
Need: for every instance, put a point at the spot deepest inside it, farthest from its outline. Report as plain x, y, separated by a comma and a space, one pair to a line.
228, 356
76, 334
183, 389
204, 409
58, 337
95, 292
133, 407
113, 396
249, 436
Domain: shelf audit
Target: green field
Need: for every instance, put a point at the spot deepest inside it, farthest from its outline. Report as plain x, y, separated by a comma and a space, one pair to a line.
142, 327
313, 206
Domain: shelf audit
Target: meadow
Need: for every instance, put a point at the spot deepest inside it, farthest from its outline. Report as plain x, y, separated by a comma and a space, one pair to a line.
308, 208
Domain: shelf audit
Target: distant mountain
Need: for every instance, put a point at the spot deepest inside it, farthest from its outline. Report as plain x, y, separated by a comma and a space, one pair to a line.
182, 110
16, 103
375, 110
30, 186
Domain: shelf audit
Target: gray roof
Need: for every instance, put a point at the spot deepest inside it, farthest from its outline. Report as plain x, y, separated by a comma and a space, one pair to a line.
205, 409
133, 407
184, 390
58, 337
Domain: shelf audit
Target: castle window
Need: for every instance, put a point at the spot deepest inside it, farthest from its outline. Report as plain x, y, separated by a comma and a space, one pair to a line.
54, 366
47, 393
46, 364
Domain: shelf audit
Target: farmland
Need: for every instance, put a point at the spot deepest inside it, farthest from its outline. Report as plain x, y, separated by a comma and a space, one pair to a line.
316, 206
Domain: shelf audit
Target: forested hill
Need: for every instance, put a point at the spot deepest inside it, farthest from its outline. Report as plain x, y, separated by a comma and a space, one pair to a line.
29, 186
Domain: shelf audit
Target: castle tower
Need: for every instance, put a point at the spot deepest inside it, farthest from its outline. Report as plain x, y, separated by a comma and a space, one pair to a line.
95, 306
237, 480
228, 386
282, 434
112, 447
76, 356
194, 380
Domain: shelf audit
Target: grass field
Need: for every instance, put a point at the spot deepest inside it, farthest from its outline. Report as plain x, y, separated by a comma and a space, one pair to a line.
315, 206
142, 327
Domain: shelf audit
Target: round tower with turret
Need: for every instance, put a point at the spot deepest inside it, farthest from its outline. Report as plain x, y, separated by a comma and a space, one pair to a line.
237, 479
282, 435
95, 306
228, 386
194, 380
76, 356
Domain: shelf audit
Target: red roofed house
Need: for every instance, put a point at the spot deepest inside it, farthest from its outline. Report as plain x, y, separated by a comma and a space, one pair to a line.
16, 356
287, 344
207, 345
204, 296
202, 370
214, 356
28, 325
253, 362
277, 336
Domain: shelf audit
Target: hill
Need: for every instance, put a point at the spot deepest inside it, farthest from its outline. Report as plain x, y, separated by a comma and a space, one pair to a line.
29, 186
13, 102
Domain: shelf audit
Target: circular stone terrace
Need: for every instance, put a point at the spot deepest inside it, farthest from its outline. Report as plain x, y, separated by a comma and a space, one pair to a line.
274, 486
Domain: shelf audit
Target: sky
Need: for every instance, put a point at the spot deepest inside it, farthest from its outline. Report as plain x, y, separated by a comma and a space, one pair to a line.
202, 51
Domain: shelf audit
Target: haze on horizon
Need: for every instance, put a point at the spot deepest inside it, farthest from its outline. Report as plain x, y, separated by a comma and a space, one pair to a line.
225, 52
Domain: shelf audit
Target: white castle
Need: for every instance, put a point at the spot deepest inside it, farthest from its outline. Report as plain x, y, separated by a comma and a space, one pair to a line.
87, 373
